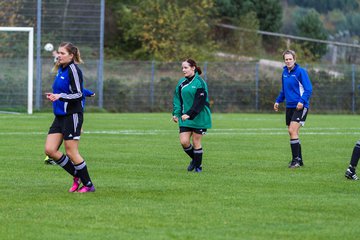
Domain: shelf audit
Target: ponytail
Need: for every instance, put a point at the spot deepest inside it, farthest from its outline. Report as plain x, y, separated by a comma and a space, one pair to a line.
192, 63
71, 49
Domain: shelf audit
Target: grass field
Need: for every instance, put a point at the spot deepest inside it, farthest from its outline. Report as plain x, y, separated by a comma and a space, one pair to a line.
143, 190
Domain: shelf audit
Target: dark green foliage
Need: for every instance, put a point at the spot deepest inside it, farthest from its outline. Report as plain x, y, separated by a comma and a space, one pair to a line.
325, 6
353, 20
268, 17
268, 12
164, 30
311, 26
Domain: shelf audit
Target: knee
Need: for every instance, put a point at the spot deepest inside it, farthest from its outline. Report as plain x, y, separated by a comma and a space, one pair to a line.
71, 153
185, 143
290, 131
197, 143
50, 151
293, 133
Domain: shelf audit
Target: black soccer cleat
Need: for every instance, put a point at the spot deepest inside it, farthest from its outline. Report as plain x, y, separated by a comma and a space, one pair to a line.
191, 166
296, 163
301, 162
351, 174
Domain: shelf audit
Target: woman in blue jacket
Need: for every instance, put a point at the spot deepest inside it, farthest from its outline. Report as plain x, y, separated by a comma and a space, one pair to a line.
297, 90
86, 93
67, 97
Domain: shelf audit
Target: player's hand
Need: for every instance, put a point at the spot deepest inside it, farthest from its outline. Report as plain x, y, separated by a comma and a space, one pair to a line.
185, 117
52, 96
175, 119
276, 107
299, 106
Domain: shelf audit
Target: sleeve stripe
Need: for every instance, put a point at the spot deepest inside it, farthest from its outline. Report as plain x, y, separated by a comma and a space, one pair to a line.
78, 94
76, 77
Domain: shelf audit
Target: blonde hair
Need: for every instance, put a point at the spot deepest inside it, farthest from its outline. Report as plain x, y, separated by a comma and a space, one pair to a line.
71, 49
289, 52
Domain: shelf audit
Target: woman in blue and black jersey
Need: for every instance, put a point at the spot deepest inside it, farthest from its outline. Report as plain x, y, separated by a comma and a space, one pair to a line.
192, 112
67, 99
297, 90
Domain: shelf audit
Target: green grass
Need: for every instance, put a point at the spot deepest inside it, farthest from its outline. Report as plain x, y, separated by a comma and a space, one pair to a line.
143, 190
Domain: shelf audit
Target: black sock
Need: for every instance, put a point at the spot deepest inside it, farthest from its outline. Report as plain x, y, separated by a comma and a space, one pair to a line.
66, 164
189, 151
355, 155
198, 153
295, 147
300, 154
83, 174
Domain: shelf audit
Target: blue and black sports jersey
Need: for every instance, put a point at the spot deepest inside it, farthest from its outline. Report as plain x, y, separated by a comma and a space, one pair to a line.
69, 84
86, 93
296, 87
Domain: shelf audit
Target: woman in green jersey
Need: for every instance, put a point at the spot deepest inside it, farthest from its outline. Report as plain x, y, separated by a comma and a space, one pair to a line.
192, 112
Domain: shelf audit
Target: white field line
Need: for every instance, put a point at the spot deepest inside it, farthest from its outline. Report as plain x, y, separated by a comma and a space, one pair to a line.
229, 131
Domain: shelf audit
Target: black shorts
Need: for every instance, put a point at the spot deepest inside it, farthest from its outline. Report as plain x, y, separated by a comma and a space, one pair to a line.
69, 126
195, 130
293, 115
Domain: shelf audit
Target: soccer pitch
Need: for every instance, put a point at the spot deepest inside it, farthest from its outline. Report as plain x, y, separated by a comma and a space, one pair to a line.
143, 191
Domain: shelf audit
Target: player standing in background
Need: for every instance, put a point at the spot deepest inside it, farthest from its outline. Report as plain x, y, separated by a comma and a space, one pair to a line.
350, 172
192, 112
297, 90
67, 106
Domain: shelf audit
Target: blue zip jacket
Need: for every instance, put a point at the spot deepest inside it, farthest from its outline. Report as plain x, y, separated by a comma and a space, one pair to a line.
296, 87
69, 84
86, 93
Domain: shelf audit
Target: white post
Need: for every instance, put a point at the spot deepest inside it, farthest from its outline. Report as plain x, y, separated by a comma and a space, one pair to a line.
30, 30
30, 71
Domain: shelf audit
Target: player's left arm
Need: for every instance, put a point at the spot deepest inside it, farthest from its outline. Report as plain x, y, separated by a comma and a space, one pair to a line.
88, 92
76, 80
305, 81
198, 104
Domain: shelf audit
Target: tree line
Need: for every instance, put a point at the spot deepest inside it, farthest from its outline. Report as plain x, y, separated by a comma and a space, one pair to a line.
169, 30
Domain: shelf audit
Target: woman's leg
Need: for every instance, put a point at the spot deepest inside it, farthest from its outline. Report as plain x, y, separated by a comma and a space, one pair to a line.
294, 129
72, 150
186, 144
188, 148
198, 151
52, 144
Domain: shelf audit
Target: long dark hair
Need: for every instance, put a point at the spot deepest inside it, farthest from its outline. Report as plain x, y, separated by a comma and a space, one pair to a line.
192, 63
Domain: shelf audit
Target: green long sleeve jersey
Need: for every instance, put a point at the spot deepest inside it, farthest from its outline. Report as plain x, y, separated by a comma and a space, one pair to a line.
191, 98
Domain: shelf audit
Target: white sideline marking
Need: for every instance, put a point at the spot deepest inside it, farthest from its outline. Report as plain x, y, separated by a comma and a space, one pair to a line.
229, 131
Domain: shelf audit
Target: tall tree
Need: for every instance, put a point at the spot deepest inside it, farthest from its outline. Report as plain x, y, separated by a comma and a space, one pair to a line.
311, 26
324, 6
172, 30
117, 22
246, 40
268, 13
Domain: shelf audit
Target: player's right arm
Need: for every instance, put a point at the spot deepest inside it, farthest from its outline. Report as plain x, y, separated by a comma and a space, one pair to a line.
276, 107
281, 96
176, 105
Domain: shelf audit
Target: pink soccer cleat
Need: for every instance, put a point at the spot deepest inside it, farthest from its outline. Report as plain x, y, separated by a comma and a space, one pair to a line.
75, 185
85, 189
